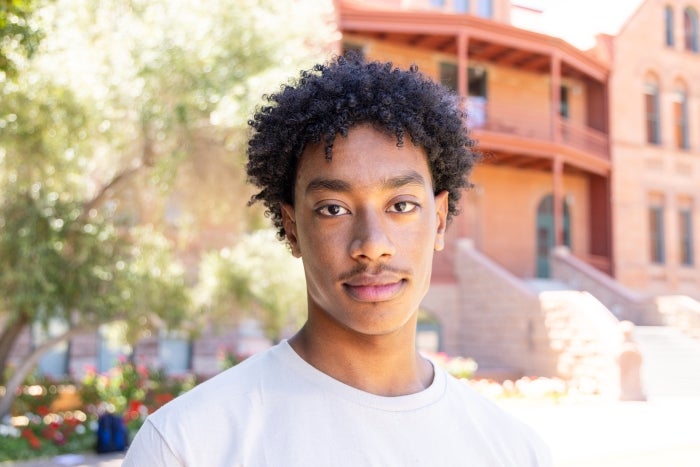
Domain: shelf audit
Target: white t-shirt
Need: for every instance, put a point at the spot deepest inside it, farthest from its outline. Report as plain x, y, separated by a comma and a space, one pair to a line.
275, 409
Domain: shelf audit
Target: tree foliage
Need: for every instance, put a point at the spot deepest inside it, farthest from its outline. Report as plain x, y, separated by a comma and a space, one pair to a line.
124, 130
260, 278
19, 35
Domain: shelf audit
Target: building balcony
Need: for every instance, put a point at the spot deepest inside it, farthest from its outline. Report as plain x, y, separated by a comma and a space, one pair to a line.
529, 138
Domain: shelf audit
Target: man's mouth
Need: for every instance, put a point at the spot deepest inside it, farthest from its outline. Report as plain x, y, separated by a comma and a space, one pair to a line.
366, 288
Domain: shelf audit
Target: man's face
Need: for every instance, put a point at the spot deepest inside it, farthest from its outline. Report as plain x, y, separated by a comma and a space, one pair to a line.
365, 225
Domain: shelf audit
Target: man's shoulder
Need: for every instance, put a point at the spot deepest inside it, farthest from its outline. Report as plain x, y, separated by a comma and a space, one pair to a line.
235, 385
464, 395
495, 423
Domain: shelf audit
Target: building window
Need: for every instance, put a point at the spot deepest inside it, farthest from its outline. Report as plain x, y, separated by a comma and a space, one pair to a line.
461, 6
175, 352
656, 235
484, 8
428, 332
690, 25
668, 17
651, 105
686, 236
680, 119
53, 362
477, 76
564, 102
437, 3
478, 79
113, 346
448, 75
356, 49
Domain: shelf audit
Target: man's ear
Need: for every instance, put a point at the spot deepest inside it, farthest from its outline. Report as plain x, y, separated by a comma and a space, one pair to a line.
290, 228
441, 209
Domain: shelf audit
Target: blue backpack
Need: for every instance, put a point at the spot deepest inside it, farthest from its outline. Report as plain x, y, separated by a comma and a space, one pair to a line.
112, 435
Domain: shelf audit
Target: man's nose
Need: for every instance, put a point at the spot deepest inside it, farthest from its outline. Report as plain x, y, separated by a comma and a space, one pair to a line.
371, 240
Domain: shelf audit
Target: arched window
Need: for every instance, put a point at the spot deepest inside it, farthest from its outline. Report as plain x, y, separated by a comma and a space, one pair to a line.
651, 111
545, 234
680, 117
670, 30
690, 25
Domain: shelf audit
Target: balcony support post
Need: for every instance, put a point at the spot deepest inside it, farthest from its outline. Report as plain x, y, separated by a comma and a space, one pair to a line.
462, 63
558, 200
464, 228
555, 80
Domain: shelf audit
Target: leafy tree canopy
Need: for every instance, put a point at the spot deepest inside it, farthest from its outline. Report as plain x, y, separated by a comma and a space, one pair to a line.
260, 278
19, 35
124, 108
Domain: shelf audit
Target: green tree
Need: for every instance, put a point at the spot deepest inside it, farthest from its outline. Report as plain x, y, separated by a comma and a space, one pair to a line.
126, 106
19, 36
260, 278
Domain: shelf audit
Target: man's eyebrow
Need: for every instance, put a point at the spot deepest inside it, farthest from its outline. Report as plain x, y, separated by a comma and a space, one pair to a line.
325, 184
410, 177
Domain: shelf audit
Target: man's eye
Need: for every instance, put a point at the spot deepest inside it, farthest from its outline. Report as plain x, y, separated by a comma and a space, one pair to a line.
332, 210
403, 206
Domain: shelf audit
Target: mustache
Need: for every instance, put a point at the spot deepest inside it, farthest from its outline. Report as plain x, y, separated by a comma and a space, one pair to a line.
376, 270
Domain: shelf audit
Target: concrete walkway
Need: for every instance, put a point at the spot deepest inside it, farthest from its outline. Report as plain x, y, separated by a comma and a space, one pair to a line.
73, 460
599, 433
671, 362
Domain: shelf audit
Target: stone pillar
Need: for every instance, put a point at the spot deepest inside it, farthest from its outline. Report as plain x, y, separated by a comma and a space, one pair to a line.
630, 361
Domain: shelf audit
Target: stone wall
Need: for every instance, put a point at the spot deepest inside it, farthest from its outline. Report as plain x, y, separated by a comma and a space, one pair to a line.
510, 329
681, 312
502, 326
621, 301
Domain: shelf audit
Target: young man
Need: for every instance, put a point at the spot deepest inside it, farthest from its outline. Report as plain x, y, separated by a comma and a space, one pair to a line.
360, 166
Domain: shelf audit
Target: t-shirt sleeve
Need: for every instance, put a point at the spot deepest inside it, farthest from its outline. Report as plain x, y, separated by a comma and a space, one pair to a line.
540, 454
149, 448
543, 455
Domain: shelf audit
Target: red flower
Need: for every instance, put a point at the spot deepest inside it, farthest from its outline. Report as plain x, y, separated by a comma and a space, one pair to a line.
29, 435
162, 399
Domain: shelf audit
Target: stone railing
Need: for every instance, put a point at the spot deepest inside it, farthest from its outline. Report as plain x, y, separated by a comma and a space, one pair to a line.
500, 322
587, 339
621, 301
680, 312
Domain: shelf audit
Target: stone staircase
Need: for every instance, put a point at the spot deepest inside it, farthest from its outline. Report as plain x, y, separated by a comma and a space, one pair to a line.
671, 362
586, 337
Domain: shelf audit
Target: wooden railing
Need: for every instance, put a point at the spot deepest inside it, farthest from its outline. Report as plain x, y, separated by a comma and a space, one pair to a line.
535, 122
584, 138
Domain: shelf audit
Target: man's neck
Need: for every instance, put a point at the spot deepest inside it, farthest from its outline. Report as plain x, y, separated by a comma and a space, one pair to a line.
386, 365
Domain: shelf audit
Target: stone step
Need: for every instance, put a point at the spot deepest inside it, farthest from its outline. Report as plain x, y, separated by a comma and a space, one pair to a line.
542, 285
671, 362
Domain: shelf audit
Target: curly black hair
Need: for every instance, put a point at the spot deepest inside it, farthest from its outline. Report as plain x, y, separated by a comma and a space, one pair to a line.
332, 98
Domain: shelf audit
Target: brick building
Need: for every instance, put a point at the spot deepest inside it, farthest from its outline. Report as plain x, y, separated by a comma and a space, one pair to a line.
585, 207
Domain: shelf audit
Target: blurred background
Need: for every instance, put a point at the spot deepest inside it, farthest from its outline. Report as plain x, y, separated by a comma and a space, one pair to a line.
131, 267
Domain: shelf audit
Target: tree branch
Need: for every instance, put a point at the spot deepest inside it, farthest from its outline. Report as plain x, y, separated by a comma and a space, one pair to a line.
118, 179
29, 363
